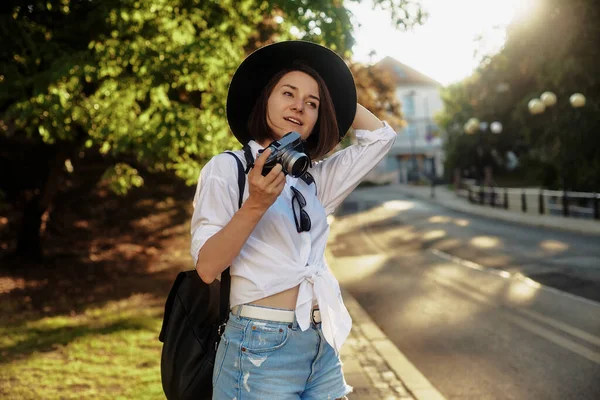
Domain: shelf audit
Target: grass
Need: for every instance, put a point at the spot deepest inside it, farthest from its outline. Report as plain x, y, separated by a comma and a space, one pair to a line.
110, 352
84, 323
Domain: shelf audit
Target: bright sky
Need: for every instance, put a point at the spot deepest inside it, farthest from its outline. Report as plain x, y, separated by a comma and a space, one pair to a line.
445, 47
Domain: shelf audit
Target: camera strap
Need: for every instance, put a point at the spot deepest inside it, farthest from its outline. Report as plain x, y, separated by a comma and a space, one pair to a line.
249, 157
309, 180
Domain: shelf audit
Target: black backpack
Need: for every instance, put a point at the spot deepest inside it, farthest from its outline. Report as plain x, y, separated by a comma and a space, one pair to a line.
194, 319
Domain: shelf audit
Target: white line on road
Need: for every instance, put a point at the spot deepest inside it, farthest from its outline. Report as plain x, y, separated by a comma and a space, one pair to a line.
528, 325
524, 323
506, 274
530, 313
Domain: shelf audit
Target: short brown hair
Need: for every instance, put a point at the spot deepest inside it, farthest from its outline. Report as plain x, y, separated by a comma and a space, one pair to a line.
325, 134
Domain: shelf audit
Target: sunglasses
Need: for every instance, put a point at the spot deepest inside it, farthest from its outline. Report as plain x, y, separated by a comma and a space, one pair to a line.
302, 222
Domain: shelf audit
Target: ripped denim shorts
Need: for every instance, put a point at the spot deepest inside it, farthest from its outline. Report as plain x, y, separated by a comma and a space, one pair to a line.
258, 360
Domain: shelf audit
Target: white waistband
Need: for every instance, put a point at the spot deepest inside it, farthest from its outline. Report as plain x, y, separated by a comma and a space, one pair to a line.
271, 314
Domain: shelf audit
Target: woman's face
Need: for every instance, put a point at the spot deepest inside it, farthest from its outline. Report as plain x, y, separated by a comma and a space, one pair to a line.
293, 105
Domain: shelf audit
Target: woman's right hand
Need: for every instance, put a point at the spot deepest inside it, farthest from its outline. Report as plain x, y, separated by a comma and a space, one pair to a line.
220, 250
264, 190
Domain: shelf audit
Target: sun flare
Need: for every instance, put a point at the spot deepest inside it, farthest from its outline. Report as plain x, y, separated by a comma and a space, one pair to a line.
449, 46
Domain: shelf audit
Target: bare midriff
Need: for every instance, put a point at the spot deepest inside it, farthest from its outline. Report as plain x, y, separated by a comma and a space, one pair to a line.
284, 300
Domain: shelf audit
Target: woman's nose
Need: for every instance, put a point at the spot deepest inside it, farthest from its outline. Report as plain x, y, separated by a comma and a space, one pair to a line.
298, 106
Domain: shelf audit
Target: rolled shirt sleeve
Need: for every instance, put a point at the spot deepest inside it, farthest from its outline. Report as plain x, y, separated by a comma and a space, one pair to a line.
341, 173
215, 201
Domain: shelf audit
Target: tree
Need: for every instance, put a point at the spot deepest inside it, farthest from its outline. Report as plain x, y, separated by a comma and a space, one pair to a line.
377, 91
140, 83
554, 49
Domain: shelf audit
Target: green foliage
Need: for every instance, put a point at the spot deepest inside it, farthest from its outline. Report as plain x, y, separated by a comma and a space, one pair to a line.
376, 88
151, 83
121, 177
554, 50
148, 78
137, 83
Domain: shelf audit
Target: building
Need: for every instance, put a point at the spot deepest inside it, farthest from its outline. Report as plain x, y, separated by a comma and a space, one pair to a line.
417, 153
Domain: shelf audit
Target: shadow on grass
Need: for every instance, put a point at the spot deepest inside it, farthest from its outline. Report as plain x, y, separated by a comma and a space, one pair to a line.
46, 339
99, 247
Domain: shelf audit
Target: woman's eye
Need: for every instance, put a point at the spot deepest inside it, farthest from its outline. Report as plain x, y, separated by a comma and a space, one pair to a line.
311, 104
287, 94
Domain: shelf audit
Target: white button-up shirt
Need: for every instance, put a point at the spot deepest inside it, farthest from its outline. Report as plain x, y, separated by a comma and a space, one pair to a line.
276, 257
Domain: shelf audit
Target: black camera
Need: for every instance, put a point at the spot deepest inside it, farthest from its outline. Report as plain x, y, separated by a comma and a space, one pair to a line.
289, 152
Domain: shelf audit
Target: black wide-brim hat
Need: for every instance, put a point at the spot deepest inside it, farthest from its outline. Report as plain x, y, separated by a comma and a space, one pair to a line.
258, 68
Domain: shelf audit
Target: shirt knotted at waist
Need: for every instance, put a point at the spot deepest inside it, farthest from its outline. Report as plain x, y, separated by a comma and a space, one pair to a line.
319, 283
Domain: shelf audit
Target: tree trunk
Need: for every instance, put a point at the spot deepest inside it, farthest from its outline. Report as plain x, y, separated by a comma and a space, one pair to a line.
29, 239
36, 201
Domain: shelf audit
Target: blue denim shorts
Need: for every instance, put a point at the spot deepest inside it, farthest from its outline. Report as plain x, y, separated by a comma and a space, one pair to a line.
260, 360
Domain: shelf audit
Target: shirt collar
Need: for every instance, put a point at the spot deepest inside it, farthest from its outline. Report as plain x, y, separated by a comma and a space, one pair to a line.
255, 147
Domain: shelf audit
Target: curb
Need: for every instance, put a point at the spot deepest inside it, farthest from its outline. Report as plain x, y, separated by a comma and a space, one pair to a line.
416, 383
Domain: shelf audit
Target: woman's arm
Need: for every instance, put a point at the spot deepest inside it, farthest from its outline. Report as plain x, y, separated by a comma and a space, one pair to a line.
339, 174
219, 251
365, 120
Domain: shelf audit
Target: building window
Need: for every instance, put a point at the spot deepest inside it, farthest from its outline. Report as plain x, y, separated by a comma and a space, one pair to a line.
411, 131
408, 106
390, 164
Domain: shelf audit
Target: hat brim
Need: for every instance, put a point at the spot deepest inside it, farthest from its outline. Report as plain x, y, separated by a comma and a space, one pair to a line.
258, 68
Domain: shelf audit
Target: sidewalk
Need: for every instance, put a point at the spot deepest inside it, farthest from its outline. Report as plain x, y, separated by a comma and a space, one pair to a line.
364, 368
448, 198
373, 365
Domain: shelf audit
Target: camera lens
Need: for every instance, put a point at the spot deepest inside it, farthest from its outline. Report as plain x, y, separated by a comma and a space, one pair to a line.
295, 163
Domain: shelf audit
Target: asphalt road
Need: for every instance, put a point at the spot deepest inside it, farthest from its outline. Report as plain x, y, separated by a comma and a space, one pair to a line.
484, 309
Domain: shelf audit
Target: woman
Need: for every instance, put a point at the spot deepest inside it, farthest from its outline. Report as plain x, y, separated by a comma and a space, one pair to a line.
288, 321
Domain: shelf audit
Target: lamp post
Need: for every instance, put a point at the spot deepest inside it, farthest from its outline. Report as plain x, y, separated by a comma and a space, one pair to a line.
538, 106
413, 133
472, 126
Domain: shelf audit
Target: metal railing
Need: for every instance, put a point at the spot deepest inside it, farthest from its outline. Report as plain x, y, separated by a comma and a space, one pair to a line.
536, 201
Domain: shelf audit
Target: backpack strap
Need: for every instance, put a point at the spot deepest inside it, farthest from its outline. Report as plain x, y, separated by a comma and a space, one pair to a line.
249, 157
226, 275
241, 178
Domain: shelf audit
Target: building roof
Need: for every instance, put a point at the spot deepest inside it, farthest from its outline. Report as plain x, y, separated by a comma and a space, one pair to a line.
405, 74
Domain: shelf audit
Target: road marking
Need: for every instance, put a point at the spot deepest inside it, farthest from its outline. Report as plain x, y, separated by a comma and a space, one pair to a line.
565, 328
524, 323
506, 274
583, 335
557, 339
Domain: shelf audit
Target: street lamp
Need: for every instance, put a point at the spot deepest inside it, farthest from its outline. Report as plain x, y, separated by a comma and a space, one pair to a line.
548, 98
496, 127
472, 126
538, 106
577, 100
